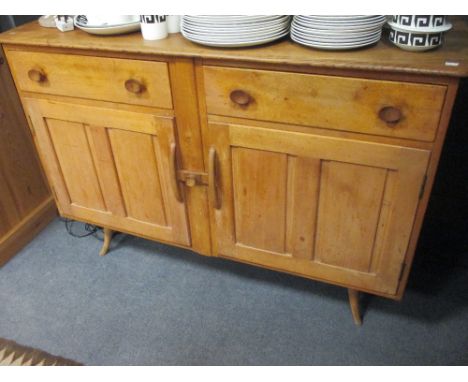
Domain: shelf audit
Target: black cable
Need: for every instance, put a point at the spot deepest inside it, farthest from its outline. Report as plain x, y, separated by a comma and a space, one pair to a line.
91, 230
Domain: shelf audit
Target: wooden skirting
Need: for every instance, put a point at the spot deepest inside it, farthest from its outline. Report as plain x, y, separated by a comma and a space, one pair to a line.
27, 229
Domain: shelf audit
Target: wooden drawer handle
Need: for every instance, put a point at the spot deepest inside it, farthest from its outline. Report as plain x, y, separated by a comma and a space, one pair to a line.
37, 75
213, 179
390, 114
134, 86
173, 169
240, 97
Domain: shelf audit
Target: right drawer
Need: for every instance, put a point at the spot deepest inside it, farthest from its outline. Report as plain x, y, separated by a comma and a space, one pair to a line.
389, 108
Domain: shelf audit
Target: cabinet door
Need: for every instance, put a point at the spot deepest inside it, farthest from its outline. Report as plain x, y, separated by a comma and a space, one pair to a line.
335, 209
111, 167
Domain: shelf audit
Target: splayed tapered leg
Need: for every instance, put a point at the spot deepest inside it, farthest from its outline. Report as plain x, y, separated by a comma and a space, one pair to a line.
107, 240
354, 304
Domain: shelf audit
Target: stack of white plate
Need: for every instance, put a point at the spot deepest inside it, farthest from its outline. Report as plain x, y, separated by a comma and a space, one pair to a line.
234, 31
337, 32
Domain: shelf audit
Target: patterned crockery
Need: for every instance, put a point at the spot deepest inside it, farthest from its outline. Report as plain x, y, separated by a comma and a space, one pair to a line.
416, 41
419, 21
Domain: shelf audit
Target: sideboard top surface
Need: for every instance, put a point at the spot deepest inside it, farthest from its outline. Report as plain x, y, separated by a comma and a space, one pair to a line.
449, 60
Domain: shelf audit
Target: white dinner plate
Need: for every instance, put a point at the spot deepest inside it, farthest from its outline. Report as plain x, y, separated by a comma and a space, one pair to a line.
234, 31
231, 26
339, 35
237, 44
332, 46
224, 34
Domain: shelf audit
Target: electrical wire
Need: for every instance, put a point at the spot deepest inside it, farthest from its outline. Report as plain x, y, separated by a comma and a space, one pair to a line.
90, 229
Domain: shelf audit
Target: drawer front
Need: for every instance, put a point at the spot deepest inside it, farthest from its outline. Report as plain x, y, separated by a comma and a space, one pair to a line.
109, 79
395, 109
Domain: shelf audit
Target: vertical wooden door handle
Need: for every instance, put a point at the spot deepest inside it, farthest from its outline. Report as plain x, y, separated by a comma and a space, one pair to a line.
213, 179
173, 168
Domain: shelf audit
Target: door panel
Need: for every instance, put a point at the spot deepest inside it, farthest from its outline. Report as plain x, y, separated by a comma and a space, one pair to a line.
350, 202
110, 167
139, 177
329, 208
76, 163
256, 197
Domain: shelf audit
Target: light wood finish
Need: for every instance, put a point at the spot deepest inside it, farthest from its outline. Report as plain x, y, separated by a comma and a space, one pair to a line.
109, 79
353, 296
25, 202
303, 161
111, 167
326, 101
190, 149
383, 57
335, 209
108, 233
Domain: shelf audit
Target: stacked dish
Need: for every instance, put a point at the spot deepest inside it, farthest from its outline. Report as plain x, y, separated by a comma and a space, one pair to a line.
107, 25
418, 32
337, 32
234, 31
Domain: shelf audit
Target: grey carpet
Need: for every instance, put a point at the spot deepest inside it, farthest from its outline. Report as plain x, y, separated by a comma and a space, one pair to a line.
150, 304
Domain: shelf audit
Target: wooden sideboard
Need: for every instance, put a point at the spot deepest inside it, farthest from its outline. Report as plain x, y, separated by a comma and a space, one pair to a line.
318, 164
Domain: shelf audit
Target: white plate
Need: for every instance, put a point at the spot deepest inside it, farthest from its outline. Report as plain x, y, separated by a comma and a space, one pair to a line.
233, 39
108, 30
320, 39
340, 25
231, 26
333, 46
234, 31
337, 43
230, 18
237, 44
340, 19
222, 34
335, 34
443, 28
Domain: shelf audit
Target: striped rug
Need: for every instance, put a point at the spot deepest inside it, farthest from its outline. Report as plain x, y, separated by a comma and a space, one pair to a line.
13, 354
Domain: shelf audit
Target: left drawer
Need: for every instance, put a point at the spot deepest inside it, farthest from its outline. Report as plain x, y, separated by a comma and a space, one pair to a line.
127, 81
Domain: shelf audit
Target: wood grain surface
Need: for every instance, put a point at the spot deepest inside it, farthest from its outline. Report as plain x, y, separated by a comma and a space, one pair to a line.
451, 59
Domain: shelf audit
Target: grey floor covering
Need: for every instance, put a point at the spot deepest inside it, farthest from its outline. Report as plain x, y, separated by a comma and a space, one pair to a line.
150, 304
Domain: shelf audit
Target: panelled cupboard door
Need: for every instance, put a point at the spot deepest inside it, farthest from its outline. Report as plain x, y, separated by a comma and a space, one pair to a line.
111, 167
334, 209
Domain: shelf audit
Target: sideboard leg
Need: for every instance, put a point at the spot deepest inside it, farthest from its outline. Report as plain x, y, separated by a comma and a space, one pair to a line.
354, 304
107, 239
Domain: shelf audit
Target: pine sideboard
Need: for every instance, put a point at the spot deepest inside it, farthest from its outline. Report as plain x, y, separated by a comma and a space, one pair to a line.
319, 164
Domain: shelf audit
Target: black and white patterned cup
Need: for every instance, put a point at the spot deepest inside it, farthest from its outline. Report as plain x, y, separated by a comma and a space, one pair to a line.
153, 27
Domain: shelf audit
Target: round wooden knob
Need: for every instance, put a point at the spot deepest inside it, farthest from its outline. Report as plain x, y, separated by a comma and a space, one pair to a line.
134, 86
37, 75
390, 114
240, 97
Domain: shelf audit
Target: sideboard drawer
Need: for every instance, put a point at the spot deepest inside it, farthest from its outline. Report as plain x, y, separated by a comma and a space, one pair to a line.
100, 78
395, 109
